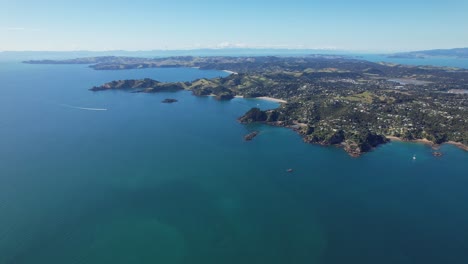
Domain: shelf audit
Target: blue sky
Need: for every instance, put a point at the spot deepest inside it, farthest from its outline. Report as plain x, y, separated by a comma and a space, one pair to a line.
182, 24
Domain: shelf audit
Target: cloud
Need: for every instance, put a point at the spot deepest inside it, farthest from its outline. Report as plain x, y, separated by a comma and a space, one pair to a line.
225, 45
228, 45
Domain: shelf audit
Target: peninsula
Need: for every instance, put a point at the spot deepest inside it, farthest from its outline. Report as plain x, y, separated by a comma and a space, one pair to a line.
461, 53
331, 100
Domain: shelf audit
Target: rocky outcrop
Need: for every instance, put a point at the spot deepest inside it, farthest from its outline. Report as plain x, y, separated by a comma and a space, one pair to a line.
355, 143
253, 115
358, 144
169, 101
224, 96
251, 136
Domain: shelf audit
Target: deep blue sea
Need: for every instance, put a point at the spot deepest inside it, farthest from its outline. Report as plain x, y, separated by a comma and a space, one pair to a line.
147, 182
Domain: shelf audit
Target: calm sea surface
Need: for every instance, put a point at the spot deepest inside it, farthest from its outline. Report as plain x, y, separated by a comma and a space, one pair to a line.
147, 182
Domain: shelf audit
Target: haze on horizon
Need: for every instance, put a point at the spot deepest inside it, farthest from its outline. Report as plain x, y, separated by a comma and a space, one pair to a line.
54, 25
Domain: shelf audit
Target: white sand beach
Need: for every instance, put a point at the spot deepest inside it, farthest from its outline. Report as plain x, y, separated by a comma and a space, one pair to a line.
230, 72
272, 99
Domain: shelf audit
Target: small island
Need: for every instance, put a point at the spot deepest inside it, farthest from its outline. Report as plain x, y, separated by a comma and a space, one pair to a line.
169, 101
329, 100
251, 136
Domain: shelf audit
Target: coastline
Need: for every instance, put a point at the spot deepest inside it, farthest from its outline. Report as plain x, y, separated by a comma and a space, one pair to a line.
266, 98
423, 141
429, 143
458, 144
272, 99
260, 98
230, 72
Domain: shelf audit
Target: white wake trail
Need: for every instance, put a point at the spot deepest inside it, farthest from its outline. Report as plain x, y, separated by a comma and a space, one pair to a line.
84, 108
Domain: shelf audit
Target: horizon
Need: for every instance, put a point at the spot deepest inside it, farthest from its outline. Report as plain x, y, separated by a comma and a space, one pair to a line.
361, 27
342, 51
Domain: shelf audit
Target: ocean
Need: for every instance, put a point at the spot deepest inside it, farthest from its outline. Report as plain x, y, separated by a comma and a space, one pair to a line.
117, 177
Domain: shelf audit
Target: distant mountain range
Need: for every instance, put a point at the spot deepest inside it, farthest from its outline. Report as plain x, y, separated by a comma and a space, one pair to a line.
458, 53
60, 55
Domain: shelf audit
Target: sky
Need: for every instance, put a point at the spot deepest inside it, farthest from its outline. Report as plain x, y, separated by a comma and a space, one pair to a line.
396, 25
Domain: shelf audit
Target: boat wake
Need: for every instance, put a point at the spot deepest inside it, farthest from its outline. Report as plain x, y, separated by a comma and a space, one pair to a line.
84, 108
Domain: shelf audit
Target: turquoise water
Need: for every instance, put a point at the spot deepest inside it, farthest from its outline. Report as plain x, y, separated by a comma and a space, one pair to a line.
146, 182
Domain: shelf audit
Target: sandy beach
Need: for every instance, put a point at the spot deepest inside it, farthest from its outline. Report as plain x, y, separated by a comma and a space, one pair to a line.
458, 144
428, 142
261, 98
272, 99
230, 72
424, 141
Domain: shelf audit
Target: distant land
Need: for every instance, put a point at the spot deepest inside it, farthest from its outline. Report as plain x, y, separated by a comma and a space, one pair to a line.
328, 99
457, 53
60, 55
235, 52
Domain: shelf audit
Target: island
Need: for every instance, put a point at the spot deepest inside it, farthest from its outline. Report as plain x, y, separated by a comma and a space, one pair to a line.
169, 101
329, 100
251, 136
461, 53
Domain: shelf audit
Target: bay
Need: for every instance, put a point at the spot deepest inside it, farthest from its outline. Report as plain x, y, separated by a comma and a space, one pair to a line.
147, 182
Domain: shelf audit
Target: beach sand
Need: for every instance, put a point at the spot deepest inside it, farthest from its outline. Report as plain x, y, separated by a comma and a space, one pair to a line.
424, 141
265, 98
230, 72
272, 99
428, 142
458, 144
261, 98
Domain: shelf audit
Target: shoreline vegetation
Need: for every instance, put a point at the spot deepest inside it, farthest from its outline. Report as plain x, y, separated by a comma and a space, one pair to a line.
327, 99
